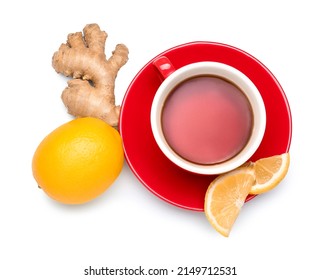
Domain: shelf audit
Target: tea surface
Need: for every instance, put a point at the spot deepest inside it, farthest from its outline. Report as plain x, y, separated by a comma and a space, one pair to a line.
207, 120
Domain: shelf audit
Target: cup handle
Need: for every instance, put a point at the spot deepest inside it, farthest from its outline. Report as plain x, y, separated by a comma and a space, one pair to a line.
164, 66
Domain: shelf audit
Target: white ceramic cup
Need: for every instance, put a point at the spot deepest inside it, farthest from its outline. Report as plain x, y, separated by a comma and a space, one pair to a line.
173, 77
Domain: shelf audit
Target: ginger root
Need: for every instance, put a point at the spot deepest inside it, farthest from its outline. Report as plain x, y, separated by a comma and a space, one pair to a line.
91, 91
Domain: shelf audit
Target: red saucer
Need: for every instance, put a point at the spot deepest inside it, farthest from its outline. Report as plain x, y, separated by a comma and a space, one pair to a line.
152, 168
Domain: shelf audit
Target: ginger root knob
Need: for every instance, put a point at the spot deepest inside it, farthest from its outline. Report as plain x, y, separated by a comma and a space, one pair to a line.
91, 91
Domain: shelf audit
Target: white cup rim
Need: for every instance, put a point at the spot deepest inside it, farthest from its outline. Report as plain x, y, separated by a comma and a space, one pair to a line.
227, 72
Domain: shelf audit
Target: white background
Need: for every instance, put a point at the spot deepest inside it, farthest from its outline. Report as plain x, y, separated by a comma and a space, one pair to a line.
277, 234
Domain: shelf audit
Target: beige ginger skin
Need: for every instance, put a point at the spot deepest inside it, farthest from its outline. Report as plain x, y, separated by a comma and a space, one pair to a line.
91, 91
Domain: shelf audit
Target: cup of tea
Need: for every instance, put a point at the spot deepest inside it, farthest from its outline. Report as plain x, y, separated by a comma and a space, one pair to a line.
206, 117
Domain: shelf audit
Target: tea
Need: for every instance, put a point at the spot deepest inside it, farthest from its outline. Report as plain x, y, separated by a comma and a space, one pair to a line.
207, 120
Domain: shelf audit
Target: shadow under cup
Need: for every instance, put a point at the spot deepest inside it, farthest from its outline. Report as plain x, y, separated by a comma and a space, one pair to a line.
208, 117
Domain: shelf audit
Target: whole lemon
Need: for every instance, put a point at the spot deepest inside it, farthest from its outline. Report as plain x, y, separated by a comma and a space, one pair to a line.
78, 161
